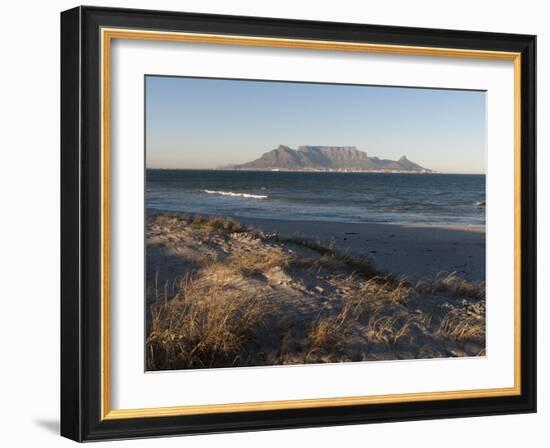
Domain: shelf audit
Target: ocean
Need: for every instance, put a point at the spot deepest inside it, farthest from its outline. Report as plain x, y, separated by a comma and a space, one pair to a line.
424, 199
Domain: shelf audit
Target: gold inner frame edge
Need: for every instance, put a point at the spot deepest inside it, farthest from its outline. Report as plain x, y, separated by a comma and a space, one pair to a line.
107, 34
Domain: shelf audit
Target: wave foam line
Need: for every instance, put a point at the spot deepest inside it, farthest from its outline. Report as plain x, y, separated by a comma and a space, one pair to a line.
239, 195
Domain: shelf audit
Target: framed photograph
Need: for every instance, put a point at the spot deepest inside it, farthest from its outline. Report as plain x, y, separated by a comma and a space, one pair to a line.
273, 223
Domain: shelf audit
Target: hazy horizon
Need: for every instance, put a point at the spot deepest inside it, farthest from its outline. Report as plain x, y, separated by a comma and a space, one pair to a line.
221, 168
200, 123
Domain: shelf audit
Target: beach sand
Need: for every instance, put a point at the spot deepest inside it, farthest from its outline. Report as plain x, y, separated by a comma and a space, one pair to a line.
223, 293
412, 251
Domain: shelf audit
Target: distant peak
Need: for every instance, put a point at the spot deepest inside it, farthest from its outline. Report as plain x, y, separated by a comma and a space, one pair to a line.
402, 159
284, 148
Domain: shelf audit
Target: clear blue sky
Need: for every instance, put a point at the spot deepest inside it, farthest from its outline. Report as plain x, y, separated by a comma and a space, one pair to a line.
206, 123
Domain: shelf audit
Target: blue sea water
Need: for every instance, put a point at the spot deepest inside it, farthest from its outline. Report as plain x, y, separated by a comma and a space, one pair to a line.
427, 199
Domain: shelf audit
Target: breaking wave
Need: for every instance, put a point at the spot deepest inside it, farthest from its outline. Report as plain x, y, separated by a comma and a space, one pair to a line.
238, 195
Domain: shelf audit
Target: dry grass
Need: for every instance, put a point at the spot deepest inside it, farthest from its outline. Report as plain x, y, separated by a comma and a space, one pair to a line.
392, 320
454, 286
216, 223
374, 310
326, 336
203, 326
255, 263
464, 324
225, 314
359, 265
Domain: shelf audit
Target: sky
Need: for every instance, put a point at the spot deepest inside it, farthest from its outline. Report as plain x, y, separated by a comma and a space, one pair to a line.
208, 123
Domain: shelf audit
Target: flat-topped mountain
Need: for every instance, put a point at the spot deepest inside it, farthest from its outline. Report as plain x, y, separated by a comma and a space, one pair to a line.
327, 158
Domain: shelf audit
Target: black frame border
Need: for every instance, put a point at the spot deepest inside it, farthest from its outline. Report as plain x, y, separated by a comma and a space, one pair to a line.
81, 223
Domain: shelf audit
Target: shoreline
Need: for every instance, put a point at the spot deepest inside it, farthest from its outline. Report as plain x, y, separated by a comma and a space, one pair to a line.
412, 250
474, 228
477, 228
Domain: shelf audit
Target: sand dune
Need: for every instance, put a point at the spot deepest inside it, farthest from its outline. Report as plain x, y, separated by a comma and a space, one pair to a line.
222, 294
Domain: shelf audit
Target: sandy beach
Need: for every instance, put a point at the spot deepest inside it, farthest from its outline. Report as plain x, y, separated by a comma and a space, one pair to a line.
415, 252
222, 292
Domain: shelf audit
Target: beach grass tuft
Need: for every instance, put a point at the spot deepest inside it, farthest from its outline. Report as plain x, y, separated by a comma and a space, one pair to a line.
217, 223
203, 326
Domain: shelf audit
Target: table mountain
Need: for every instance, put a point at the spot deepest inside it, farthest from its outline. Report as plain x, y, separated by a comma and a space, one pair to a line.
327, 158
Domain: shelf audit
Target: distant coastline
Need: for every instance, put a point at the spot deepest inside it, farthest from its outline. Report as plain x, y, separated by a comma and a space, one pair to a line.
326, 170
225, 168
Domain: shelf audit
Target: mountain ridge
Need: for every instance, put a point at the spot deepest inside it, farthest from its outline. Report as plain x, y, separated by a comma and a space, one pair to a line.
327, 158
